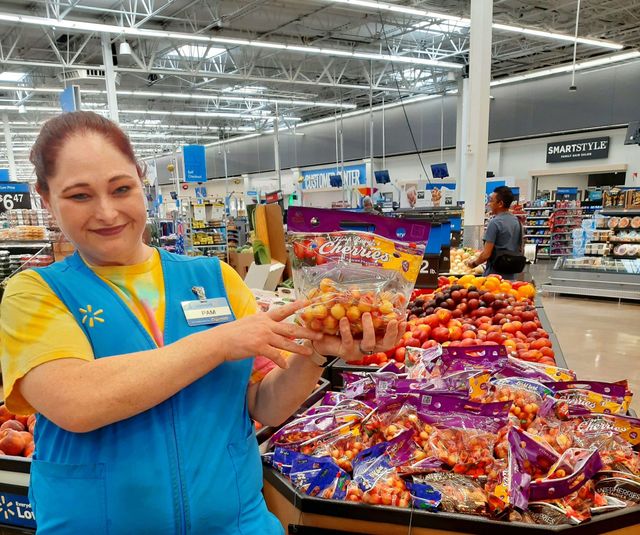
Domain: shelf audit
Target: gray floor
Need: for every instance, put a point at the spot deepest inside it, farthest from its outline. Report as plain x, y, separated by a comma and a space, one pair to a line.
600, 338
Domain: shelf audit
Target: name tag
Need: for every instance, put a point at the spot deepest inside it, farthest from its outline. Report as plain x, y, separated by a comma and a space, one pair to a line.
207, 312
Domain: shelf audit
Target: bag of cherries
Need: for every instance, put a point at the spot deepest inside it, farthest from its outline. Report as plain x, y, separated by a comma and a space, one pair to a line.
347, 264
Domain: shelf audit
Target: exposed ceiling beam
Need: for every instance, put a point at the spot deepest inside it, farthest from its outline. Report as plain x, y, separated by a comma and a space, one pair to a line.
535, 32
172, 95
82, 26
222, 75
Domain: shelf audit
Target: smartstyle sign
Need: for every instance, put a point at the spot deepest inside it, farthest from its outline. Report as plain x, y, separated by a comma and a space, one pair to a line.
352, 175
583, 149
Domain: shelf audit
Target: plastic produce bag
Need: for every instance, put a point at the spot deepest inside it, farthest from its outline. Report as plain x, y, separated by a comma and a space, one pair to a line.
595, 396
378, 480
464, 436
346, 273
460, 494
527, 395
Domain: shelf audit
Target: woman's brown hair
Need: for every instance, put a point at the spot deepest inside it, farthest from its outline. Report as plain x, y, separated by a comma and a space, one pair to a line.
56, 131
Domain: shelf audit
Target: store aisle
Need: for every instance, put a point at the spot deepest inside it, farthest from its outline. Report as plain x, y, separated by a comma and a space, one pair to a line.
600, 339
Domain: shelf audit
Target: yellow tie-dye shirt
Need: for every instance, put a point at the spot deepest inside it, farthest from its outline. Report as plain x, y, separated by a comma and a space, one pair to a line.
36, 327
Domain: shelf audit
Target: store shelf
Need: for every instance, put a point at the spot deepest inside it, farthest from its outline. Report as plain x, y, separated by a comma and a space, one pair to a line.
26, 244
535, 226
540, 208
538, 217
620, 211
537, 235
211, 245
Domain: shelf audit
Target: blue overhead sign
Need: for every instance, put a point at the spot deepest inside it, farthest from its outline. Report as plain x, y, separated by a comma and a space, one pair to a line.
70, 98
493, 184
14, 187
352, 175
440, 185
567, 191
195, 163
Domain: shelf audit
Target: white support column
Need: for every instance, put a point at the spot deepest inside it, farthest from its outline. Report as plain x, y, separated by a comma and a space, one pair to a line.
13, 174
276, 148
110, 77
475, 122
459, 112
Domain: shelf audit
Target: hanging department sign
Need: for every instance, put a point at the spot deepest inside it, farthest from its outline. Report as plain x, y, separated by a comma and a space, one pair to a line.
195, 163
352, 175
583, 149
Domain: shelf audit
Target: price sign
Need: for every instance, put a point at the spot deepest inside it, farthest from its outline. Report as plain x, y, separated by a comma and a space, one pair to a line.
429, 269
14, 195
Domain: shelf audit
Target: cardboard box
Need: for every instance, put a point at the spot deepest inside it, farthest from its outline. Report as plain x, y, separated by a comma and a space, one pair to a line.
277, 246
241, 262
633, 198
265, 277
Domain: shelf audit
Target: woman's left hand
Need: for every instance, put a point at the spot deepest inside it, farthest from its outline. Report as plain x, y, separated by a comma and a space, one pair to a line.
348, 349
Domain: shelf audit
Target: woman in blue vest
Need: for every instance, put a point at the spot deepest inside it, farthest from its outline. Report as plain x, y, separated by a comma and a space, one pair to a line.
138, 361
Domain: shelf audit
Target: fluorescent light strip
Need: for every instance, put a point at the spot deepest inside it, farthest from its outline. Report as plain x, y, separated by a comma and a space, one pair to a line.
132, 135
588, 64
178, 36
243, 116
188, 96
465, 21
558, 36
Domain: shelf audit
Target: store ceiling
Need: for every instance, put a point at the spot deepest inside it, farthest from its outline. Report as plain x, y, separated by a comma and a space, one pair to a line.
202, 69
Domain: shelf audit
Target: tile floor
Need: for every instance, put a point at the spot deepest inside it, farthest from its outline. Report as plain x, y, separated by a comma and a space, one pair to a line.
600, 338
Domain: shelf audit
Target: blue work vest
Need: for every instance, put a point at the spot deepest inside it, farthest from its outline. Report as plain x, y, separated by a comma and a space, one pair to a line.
189, 465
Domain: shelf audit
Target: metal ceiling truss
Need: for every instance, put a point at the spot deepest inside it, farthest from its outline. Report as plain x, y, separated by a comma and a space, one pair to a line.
161, 64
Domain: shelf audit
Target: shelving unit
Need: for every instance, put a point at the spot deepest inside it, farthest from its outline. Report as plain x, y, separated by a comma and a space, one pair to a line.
606, 269
537, 218
563, 221
616, 236
207, 230
237, 232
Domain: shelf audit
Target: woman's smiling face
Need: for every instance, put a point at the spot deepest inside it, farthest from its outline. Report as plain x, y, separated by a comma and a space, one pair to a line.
97, 199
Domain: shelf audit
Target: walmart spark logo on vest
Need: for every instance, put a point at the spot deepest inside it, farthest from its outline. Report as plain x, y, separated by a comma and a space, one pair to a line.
352, 175
91, 316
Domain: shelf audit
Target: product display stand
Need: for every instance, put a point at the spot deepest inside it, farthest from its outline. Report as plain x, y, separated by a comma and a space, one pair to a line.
611, 265
537, 228
563, 221
294, 508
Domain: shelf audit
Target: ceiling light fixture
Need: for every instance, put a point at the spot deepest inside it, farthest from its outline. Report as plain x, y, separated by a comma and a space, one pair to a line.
9, 76
191, 96
218, 115
467, 22
179, 36
588, 64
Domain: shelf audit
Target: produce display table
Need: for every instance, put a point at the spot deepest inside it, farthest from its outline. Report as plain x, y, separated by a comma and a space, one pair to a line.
340, 366
293, 508
300, 513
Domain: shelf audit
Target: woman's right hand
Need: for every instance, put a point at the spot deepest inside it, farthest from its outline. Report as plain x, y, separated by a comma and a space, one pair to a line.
265, 333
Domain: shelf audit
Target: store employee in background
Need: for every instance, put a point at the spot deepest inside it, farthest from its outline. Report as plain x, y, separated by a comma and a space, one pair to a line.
144, 414
368, 206
503, 233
